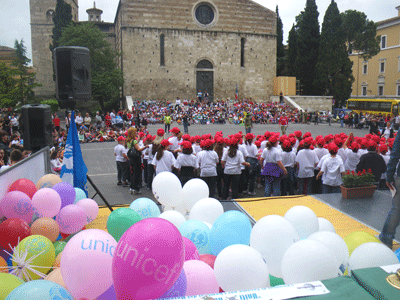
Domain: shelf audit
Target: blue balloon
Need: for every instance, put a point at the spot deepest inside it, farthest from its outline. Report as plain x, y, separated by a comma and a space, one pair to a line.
198, 233
145, 207
397, 252
80, 194
230, 228
40, 290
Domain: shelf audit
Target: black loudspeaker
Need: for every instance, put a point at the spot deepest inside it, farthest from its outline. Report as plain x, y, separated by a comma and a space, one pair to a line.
72, 69
37, 126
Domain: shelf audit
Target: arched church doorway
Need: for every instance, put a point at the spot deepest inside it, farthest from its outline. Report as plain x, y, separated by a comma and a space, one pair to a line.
205, 78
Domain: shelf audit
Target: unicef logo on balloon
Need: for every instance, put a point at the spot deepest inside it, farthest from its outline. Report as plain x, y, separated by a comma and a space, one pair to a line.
58, 293
22, 207
199, 238
198, 232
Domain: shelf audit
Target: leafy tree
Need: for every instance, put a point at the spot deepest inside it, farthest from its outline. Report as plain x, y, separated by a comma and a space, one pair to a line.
106, 77
333, 71
292, 52
61, 19
8, 86
25, 82
280, 49
360, 34
308, 46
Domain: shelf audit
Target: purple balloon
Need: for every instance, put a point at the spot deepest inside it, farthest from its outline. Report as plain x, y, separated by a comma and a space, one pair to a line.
108, 295
66, 192
178, 289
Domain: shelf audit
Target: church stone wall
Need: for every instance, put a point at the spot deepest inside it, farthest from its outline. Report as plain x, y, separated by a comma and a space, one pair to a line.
146, 79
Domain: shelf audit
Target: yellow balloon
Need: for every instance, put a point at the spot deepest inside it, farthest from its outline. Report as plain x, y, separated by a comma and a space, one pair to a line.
48, 181
8, 283
40, 247
355, 239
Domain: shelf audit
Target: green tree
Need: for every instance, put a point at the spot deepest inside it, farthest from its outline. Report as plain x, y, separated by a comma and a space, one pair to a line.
292, 53
360, 34
8, 86
61, 19
308, 37
280, 49
333, 71
26, 78
107, 78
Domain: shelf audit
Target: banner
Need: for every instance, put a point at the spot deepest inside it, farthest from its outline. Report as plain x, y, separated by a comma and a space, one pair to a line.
275, 293
74, 169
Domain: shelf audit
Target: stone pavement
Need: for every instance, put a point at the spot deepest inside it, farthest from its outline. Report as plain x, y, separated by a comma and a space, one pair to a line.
100, 159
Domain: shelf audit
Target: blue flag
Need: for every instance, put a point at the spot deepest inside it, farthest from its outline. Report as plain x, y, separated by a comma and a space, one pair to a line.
74, 169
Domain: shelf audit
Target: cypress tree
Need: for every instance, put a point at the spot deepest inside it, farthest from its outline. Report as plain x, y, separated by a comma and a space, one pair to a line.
280, 50
61, 19
333, 73
308, 46
292, 52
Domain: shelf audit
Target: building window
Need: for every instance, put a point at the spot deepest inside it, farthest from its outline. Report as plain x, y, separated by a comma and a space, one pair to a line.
242, 42
364, 91
204, 14
365, 68
383, 41
162, 55
382, 67
97, 18
380, 90
49, 15
398, 90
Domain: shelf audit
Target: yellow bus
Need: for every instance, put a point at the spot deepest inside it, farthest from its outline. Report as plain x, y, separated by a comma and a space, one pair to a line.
374, 106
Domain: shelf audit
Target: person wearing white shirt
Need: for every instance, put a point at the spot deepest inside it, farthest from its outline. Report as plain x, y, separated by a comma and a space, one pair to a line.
120, 152
175, 139
207, 160
79, 119
332, 171
383, 151
288, 161
231, 162
112, 115
250, 173
272, 155
186, 163
320, 151
306, 160
353, 157
164, 160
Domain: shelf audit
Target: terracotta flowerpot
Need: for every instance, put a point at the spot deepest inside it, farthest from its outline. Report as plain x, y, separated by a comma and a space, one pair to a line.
359, 192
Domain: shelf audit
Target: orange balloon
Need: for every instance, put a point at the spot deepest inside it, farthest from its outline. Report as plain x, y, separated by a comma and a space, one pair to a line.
55, 276
3, 266
47, 227
48, 181
57, 261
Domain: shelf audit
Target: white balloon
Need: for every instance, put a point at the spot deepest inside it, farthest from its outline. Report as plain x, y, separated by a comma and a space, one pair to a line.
194, 190
337, 245
179, 209
167, 189
371, 255
325, 225
208, 224
239, 268
206, 210
272, 236
308, 260
303, 219
174, 217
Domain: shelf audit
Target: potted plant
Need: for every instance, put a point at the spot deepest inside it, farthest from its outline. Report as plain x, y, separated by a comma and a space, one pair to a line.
358, 185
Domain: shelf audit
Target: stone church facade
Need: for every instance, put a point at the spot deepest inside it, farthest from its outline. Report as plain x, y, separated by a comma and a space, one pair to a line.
174, 48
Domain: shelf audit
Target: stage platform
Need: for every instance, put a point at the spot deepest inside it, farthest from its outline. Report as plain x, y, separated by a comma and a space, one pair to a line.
346, 215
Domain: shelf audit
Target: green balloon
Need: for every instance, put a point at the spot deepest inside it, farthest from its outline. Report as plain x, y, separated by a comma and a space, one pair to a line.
59, 246
8, 283
120, 220
275, 281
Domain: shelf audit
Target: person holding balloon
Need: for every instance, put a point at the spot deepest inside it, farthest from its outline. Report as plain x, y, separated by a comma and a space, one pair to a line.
231, 161
164, 160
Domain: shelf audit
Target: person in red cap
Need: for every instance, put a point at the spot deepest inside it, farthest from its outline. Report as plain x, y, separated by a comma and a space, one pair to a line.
208, 160
164, 160
175, 139
271, 162
353, 157
186, 163
250, 173
373, 161
231, 162
283, 122
288, 161
332, 171
383, 151
149, 154
120, 152
306, 161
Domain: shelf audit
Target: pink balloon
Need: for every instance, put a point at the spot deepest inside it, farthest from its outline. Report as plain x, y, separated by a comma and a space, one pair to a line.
71, 219
17, 205
148, 259
191, 252
200, 278
91, 208
46, 203
86, 263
